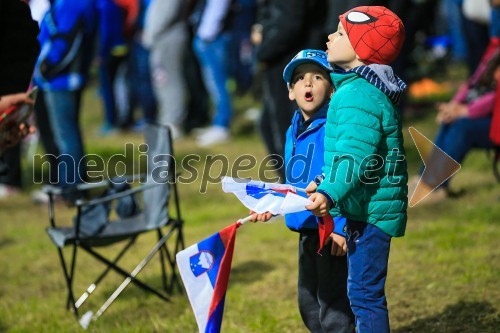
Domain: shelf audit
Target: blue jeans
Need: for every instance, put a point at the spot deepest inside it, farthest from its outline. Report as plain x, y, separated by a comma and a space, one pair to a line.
477, 38
367, 258
495, 22
140, 82
241, 51
64, 109
458, 138
453, 11
108, 71
213, 57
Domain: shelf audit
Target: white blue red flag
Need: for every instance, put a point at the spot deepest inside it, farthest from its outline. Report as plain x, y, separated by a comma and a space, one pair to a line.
278, 199
325, 228
262, 197
204, 268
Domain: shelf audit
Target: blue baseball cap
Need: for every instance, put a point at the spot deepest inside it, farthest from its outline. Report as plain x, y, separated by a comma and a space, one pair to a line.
309, 55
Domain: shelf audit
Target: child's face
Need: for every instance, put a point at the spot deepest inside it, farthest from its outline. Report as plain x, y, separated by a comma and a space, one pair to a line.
340, 51
310, 88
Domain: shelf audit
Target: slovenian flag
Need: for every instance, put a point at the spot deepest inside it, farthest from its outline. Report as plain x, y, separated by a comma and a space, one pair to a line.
278, 199
262, 197
325, 228
204, 269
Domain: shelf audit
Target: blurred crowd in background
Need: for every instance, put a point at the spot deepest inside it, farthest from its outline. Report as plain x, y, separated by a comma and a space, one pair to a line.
170, 61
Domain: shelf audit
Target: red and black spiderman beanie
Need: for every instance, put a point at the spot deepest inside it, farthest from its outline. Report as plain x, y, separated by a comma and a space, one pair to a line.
375, 33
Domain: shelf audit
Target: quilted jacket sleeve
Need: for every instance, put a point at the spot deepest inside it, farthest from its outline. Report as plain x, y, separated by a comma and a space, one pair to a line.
356, 135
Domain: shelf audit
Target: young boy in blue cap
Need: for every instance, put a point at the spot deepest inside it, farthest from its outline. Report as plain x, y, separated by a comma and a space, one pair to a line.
322, 278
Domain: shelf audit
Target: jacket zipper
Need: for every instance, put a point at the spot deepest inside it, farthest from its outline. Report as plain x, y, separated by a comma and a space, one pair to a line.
310, 129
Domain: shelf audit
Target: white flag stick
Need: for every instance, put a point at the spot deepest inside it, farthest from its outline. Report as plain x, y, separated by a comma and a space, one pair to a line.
303, 190
249, 217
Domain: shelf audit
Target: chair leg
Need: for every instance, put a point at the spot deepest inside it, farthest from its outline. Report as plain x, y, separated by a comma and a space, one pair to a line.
162, 263
173, 277
131, 277
124, 273
179, 245
73, 264
69, 284
93, 286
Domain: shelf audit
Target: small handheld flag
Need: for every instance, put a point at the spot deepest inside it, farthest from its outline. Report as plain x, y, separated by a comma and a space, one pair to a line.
278, 199
325, 228
204, 268
262, 197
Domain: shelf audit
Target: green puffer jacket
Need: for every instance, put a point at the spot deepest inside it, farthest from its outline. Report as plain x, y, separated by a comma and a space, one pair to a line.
365, 165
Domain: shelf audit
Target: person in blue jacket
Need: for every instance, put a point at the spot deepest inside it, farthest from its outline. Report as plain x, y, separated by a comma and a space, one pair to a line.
67, 38
322, 277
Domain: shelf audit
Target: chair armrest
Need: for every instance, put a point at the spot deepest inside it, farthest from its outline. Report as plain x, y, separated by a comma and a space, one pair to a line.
96, 201
135, 178
51, 189
91, 186
130, 178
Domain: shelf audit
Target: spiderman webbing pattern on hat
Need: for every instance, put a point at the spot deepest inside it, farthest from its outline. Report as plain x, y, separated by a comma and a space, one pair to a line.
375, 33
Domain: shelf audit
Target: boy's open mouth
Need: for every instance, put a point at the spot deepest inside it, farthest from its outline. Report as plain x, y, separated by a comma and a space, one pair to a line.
308, 97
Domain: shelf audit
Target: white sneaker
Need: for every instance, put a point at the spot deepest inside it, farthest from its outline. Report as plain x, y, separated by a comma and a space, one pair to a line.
196, 132
6, 191
39, 197
252, 114
213, 135
177, 132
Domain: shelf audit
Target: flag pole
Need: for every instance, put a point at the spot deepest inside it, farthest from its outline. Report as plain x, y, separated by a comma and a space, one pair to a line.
249, 217
244, 220
298, 189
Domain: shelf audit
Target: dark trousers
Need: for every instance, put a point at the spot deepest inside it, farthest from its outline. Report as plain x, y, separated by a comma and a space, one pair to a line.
277, 114
368, 255
44, 128
108, 74
198, 105
322, 288
140, 84
477, 38
11, 166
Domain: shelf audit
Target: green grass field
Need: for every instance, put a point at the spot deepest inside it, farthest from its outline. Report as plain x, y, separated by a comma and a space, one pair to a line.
443, 275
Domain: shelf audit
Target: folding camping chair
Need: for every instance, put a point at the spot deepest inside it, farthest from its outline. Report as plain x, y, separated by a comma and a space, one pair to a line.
154, 217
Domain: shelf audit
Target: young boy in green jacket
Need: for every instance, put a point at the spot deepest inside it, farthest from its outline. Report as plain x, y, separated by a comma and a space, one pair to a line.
365, 177
322, 278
